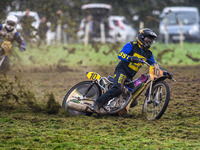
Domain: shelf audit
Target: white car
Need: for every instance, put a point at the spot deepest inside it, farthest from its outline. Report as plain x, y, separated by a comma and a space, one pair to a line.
179, 23
119, 29
20, 14
35, 24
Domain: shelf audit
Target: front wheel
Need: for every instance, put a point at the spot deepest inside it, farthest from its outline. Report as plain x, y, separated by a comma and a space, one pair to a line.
76, 94
159, 99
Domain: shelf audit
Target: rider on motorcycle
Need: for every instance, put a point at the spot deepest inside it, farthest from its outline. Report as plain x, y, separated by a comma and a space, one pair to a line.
131, 57
8, 31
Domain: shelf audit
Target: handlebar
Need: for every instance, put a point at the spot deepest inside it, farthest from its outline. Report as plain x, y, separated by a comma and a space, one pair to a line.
142, 61
169, 76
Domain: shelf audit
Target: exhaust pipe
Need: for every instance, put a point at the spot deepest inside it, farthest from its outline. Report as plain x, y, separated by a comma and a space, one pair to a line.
78, 107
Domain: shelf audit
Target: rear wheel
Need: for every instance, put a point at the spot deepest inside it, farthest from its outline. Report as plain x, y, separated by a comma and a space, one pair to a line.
159, 99
75, 94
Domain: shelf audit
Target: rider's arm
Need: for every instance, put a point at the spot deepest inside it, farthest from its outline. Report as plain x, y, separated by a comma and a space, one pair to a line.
123, 54
17, 38
151, 60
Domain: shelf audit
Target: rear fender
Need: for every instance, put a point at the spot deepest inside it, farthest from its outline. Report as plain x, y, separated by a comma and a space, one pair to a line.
93, 76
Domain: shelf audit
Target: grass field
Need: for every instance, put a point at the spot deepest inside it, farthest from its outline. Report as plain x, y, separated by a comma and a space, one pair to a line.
32, 91
97, 54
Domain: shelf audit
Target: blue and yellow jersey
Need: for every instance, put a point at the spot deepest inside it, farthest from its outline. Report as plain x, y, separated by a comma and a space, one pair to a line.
133, 49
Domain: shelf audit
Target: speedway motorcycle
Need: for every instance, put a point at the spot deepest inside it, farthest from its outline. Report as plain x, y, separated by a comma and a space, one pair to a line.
81, 96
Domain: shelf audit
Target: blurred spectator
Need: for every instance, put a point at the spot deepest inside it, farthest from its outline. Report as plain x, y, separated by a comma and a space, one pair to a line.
89, 22
26, 23
59, 26
42, 31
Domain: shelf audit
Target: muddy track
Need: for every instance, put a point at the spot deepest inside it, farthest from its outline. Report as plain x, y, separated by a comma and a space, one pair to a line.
60, 79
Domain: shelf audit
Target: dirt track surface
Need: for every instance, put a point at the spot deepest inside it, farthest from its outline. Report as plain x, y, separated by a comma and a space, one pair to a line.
184, 93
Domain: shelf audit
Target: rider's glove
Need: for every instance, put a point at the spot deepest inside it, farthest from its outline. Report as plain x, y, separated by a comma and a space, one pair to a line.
23, 47
135, 59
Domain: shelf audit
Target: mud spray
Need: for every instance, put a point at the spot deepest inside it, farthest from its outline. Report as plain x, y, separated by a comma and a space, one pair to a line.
16, 96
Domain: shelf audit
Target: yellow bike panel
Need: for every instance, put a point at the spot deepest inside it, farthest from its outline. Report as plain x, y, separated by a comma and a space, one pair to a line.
6, 46
155, 72
93, 75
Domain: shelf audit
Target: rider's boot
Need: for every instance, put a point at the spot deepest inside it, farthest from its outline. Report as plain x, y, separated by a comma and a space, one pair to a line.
95, 107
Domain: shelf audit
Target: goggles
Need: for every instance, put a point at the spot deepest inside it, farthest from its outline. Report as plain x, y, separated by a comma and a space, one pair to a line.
11, 23
149, 40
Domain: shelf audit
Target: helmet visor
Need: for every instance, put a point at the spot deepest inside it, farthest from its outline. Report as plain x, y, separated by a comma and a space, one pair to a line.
148, 40
10, 23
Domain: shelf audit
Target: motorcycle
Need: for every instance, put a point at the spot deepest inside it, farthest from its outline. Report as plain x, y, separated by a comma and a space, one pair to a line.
5, 47
81, 96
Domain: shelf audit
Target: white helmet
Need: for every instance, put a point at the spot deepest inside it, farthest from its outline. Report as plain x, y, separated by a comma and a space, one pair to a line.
11, 22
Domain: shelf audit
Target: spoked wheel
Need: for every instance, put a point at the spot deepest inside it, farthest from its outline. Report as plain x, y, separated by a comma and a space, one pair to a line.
75, 94
156, 106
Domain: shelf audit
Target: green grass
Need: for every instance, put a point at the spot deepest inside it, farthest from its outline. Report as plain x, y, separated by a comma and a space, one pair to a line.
178, 55
39, 131
80, 55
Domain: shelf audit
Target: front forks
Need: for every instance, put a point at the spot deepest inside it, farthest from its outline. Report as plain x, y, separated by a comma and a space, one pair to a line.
150, 89
155, 97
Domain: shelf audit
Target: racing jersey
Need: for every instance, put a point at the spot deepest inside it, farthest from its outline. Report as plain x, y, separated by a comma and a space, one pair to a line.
133, 49
10, 36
